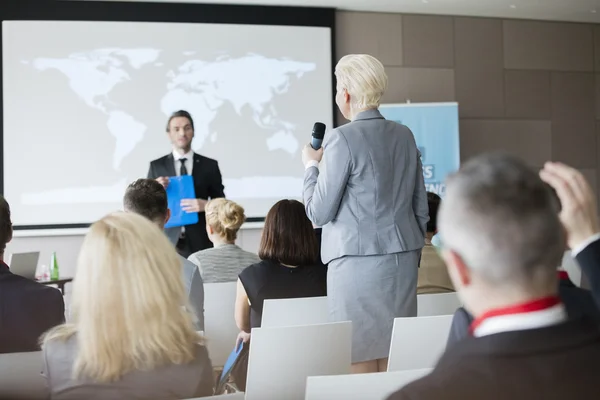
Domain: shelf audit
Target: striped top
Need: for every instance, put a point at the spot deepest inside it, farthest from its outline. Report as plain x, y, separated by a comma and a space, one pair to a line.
222, 263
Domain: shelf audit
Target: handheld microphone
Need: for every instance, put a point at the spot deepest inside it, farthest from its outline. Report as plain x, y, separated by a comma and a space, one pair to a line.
318, 133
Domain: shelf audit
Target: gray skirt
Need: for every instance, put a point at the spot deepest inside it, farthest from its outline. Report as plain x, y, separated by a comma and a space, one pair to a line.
371, 291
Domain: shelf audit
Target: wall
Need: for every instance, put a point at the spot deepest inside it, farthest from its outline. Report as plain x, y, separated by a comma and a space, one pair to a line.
531, 88
528, 87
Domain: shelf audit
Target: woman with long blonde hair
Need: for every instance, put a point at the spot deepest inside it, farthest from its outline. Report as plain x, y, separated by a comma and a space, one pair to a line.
130, 335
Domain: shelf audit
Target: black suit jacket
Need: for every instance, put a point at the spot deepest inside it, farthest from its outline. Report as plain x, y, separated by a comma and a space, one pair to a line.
589, 262
27, 310
554, 363
207, 184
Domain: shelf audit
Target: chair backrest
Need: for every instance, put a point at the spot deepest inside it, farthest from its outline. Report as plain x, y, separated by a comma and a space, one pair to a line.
219, 321
418, 342
291, 312
374, 386
282, 358
21, 376
437, 304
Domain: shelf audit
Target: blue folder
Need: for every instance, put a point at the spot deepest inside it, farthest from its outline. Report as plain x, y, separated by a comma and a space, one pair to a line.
234, 357
179, 188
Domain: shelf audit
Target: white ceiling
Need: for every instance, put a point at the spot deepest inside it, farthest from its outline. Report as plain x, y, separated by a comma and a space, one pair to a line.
560, 10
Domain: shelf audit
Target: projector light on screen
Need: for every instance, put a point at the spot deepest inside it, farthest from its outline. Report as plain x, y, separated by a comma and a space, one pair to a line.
86, 106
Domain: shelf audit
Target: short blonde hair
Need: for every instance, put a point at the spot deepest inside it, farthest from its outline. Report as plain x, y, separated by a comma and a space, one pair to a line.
129, 308
364, 78
225, 217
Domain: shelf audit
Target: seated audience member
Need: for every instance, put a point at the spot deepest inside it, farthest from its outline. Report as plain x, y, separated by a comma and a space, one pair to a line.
27, 308
289, 269
130, 337
148, 198
433, 275
289, 253
224, 261
582, 233
502, 240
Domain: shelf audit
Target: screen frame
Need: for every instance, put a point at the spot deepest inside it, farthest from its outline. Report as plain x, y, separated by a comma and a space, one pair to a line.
113, 11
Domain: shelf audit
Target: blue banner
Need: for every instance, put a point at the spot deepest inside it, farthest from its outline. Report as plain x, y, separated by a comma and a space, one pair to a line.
435, 127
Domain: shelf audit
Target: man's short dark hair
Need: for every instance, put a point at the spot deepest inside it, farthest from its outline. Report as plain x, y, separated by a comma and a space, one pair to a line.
180, 113
5, 224
288, 236
148, 198
433, 201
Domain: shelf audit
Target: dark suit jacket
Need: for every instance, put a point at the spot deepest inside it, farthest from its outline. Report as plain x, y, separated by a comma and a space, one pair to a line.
207, 184
27, 309
589, 262
554, 363
578, 302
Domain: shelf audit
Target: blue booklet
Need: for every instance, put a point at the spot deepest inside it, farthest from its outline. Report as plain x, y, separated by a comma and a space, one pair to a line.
179, 188
234, 357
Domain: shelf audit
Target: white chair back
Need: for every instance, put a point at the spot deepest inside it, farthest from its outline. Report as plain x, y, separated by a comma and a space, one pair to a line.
418, 342
21, 376
376, 386
437, 304
219, 321
282, 358
292, 312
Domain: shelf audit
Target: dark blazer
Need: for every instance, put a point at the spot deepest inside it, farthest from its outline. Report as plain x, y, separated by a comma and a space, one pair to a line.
578, 302
207, 184
554, 363
589, 262
27, 310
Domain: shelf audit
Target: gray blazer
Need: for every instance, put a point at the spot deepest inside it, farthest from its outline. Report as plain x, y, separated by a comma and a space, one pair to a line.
194, 287
368, 193
166, 382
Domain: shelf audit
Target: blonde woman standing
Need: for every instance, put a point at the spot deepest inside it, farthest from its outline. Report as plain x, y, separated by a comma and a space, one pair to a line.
225, 261
130, 335
369, 197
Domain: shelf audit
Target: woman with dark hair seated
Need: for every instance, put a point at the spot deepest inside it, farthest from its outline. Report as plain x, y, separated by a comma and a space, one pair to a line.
289, 252
290, 268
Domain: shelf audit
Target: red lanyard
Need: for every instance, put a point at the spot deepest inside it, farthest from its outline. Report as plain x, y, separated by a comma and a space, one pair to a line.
523, 308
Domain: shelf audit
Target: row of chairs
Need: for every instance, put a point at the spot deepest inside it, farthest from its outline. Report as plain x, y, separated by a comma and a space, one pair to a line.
294, 343
297, 352
221, 330
349, 387
312, 361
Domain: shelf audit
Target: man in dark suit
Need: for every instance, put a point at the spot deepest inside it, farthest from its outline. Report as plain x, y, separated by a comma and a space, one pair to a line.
207, 182
502, 240
584, 241
27, 308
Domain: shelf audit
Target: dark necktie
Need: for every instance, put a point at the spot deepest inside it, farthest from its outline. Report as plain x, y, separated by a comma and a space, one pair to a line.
183, 169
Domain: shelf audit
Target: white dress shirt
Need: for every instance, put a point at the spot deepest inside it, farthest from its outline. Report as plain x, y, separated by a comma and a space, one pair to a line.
189, 162
575, 252
311, 163
522, 321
